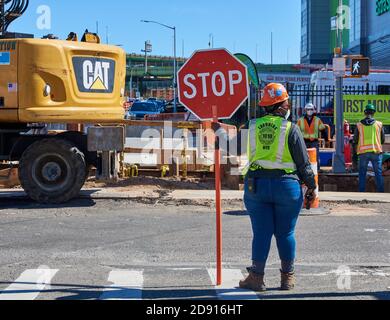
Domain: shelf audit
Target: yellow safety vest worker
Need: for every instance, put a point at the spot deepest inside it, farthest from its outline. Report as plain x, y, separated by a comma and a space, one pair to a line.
370, 138
311, 132
268, 145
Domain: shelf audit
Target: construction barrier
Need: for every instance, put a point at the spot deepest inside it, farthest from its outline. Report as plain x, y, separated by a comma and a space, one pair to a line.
313, 157
167, 117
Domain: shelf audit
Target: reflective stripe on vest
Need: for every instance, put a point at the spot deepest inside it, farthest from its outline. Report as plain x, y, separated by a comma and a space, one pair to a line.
274, 165
279, 156
252, 139
311, 132
370, 138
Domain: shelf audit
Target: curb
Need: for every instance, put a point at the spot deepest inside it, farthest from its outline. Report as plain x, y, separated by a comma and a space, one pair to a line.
170, 196
84, 194
315, 212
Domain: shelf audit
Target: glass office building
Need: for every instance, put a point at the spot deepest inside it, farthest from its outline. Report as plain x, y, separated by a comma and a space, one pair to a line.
366, 30
315, 34
318, 38
370, 30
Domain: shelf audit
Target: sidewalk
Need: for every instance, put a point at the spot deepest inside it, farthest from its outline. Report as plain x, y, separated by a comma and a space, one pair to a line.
112, 193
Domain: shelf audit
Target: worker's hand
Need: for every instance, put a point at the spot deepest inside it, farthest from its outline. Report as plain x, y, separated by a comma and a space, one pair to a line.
310, 197
310, 193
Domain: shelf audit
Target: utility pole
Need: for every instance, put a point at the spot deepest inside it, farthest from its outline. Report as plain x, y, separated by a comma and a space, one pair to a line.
339, 157
288, 55
272, 47
174, 72
148, 49
174, 61
211, 41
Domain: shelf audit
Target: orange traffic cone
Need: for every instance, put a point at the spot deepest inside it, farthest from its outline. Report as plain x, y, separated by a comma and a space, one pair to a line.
314, 164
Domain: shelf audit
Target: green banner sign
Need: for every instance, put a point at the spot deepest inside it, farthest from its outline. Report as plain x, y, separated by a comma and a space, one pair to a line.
252, 70
354, 106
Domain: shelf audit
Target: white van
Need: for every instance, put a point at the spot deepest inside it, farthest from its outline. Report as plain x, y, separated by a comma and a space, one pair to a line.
379, 82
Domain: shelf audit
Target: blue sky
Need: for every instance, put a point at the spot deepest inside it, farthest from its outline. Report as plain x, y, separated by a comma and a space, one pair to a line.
239, 26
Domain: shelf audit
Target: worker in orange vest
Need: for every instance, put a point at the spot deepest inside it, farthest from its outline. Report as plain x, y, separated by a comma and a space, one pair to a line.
311, 125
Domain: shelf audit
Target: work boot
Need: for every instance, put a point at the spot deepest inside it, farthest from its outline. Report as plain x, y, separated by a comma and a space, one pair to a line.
288, 281
254, 282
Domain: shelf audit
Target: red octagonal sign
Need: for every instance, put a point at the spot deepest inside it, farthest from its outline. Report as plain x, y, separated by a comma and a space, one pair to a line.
213, 78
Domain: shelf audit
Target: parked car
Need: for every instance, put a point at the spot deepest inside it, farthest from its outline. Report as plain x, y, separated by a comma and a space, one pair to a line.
169, 107
140, 109
160, 103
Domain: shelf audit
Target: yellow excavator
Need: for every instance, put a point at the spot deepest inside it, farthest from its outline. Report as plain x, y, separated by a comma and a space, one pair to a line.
50, 81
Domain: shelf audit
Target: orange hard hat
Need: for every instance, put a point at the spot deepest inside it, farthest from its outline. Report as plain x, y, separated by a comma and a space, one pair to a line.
274, 93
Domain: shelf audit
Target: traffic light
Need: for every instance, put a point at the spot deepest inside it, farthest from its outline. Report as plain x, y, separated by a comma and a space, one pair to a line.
360, 67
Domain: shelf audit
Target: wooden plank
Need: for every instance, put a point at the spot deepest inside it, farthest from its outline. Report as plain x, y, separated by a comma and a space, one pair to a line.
147, 123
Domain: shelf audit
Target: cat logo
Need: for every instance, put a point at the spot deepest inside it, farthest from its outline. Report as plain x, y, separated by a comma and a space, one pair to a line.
94, 75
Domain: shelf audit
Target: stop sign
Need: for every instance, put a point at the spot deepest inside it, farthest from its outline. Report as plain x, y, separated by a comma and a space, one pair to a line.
213, 78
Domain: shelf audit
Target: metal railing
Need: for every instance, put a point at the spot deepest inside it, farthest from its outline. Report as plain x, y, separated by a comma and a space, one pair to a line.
323, 97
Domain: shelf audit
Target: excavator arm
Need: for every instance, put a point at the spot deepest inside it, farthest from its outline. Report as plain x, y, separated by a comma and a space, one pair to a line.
10, 10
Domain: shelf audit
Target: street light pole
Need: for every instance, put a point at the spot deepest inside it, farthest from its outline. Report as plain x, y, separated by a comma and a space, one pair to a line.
131, 83
339, 157
174, 61
131, 67
174, 73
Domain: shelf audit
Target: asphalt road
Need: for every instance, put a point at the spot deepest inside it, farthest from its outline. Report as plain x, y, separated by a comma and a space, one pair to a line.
126, 250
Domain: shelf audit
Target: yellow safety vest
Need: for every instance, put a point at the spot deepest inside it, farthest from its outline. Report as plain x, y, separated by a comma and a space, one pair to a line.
268, 145
370, 138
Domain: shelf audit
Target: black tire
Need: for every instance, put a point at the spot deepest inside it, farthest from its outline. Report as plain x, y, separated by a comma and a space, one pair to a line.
52, 171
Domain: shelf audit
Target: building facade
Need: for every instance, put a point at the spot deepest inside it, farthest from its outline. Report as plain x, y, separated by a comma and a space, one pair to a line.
318, 35
288, 74
315, 34
370, 30
365, 30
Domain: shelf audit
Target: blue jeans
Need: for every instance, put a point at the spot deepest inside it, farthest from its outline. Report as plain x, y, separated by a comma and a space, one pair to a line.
274, 207
376, 160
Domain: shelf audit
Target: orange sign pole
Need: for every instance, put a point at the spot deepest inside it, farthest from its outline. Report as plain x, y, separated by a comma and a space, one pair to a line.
217, 156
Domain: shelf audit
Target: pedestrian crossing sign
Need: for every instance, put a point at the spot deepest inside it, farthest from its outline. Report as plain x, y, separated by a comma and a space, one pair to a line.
360, 67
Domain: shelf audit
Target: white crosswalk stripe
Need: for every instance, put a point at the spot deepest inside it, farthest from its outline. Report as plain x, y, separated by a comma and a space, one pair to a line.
229, 289
126, 285
29, 285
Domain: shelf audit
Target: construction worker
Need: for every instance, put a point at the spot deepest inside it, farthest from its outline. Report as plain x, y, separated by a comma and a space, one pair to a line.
278, 161
311, 125
369, 139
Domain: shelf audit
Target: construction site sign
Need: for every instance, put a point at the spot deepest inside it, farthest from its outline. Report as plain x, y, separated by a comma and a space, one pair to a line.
354, 106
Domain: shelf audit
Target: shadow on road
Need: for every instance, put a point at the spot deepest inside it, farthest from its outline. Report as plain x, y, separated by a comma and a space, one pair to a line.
236, 213
28, 204
87, 292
